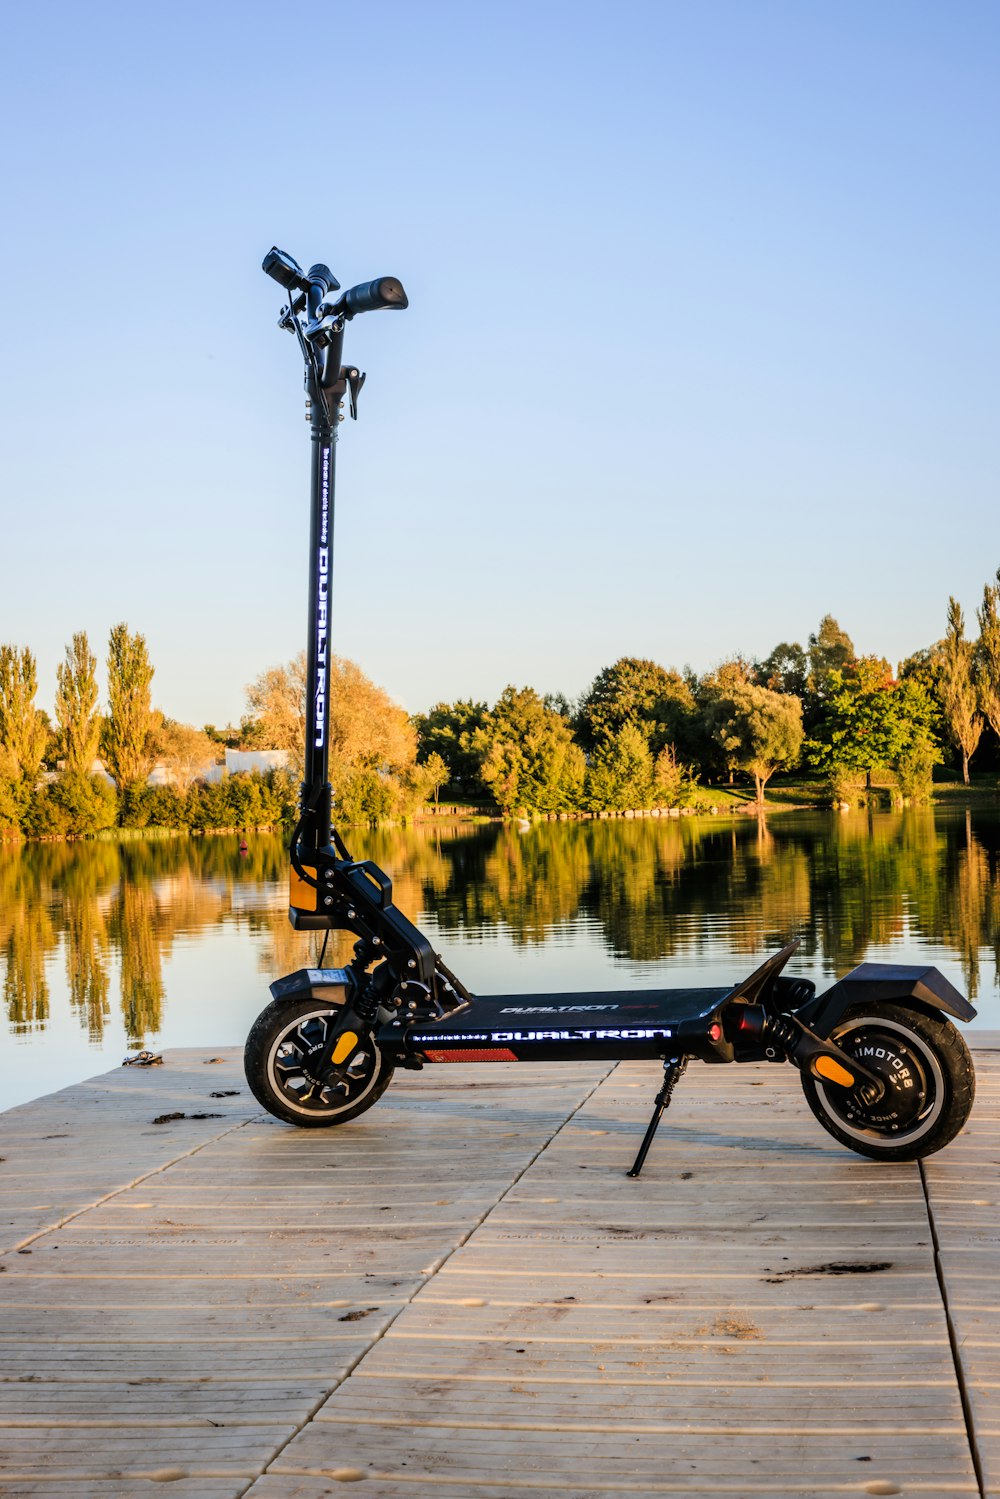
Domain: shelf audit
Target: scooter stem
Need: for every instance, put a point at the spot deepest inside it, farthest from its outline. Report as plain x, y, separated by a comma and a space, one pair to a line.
315, 832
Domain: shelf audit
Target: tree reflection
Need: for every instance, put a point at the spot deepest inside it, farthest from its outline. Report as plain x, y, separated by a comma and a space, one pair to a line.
85, 886
653, 889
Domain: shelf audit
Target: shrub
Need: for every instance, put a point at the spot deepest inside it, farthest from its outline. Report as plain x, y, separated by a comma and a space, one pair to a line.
11, 807
45, 817
89, 802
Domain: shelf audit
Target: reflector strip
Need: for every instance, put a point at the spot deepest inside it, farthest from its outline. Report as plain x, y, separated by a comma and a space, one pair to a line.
345, 1045
829, 1067
491, 1054
301, 895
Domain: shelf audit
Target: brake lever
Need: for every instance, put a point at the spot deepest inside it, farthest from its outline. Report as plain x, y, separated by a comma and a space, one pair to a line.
355, 380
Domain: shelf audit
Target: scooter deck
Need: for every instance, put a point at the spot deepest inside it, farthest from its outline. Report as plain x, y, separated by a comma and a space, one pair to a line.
561, 1027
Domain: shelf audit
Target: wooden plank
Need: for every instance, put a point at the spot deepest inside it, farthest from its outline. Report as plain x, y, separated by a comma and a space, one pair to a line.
209, 1289
963, 1193
462, 1293
706, 1330
64, 1153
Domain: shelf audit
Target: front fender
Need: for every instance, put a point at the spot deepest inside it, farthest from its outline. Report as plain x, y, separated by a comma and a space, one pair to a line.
315, 983
913, 986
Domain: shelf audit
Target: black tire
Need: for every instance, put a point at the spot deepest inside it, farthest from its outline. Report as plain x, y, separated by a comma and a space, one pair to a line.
930, 1084
274, 1061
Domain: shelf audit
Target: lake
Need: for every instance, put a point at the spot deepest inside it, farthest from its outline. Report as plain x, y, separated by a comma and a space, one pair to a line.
107, 946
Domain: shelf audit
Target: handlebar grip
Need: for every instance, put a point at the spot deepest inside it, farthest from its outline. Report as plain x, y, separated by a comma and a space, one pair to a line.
384, 291
322, 279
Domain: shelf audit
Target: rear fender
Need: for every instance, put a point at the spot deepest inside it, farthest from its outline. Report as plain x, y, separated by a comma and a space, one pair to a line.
913, 987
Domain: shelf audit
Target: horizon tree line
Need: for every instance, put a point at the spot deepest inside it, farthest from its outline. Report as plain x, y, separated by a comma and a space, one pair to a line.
642, 735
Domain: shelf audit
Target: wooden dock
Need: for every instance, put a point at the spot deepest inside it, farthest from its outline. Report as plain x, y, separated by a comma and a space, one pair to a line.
463, 1294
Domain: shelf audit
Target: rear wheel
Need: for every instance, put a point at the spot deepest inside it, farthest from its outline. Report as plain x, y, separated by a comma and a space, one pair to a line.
929, 1084
276, 1059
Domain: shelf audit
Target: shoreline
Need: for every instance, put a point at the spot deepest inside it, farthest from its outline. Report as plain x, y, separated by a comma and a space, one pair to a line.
946, 795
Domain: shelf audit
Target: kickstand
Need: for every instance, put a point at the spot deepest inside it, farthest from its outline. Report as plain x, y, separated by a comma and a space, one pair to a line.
673, 1067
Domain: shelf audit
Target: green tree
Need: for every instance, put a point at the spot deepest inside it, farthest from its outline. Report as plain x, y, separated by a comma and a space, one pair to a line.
674, 785
128, 736
958, 687
715, 693
73, 806
620, 775
924, 666
872, 722
435, 775
988, 655
659, 702
786, 669
760, 730
529, 759
449, 730
23, 731
831, 652
76, 706
12, 807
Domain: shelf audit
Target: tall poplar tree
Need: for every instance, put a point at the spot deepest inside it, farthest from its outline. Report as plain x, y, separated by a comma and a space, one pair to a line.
988, 655
76, 705
23, 733
127, 738
958, 688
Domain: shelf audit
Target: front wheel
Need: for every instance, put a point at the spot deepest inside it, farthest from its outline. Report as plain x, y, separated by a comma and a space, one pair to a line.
276, 1061
929, 1084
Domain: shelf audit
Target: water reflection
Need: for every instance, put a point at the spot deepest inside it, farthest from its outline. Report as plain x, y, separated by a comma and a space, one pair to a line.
648, 890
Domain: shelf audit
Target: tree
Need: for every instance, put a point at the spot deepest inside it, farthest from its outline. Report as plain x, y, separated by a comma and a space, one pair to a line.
23, 731
449, 730
830, 650
715, 693
620, 773
128, 736
435, 774
674, 784
73, 805
366, 727
872, 722
659, 702
958, 688
786, 669
185, 752
987, 663
76, 706
761, 731
529, 760
276, 707
372, 744
924, 666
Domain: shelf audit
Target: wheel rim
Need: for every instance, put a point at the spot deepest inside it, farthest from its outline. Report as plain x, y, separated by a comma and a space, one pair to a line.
914, 1083
288, 1068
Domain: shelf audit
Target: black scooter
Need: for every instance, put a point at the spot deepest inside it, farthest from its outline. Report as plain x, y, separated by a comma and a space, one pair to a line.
882, 1066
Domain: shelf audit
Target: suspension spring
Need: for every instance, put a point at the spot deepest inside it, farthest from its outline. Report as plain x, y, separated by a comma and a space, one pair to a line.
780, 1032
367, 1003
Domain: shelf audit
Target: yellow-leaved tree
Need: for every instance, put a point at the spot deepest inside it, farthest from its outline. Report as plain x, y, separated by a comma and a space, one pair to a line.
373, 745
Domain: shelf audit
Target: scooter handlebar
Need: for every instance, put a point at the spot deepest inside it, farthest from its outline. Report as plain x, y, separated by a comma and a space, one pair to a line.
384, 291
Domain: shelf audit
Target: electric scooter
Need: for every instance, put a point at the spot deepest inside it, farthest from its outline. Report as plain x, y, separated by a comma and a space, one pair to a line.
882, 1065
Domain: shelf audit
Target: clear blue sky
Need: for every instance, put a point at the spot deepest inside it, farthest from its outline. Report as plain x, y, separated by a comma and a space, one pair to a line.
702, 344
